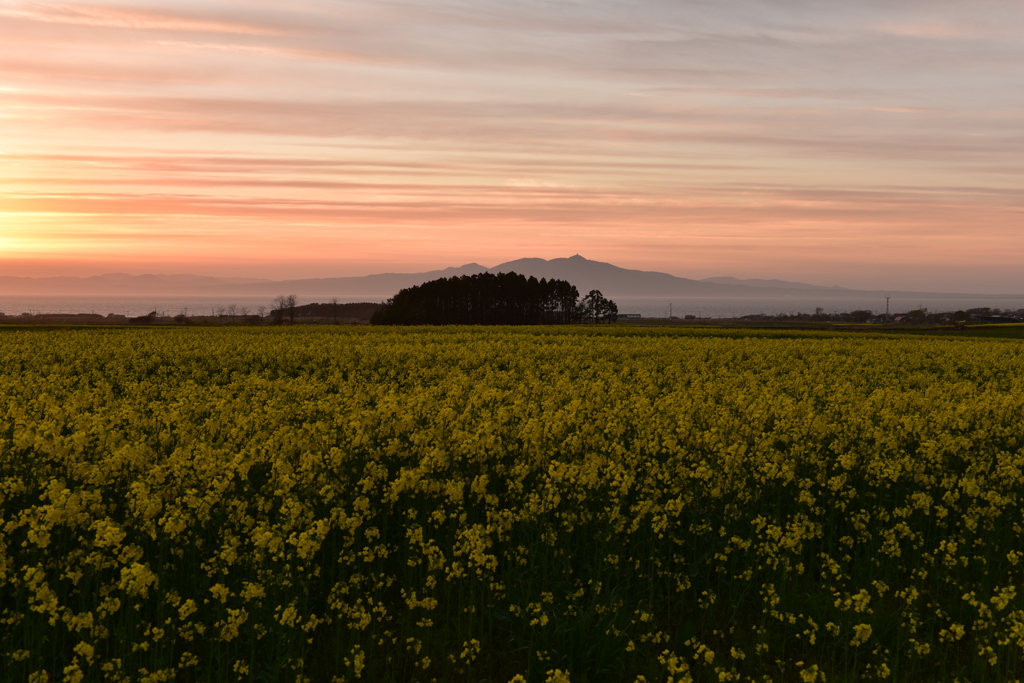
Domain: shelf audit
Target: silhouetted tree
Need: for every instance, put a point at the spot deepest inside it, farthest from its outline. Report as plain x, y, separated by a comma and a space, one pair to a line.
596, 309
148, 318
484, 299
860, 316
284, 305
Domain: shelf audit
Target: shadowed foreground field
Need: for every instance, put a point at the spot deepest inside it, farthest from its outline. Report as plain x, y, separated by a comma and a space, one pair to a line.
457, 504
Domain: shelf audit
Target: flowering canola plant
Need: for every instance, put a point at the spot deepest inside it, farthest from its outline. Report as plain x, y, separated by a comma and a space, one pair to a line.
527, 504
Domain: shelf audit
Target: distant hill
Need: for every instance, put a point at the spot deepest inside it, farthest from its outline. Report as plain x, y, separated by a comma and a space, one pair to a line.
380, 286
123, 284
614, 281
622, 282
776, 284
585, 274
611, 280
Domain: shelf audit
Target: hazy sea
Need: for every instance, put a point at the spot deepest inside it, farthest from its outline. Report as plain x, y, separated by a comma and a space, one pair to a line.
141, 305
647, 307
736, 308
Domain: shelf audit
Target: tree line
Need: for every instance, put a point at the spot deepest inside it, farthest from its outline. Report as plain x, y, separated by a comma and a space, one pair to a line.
494, 299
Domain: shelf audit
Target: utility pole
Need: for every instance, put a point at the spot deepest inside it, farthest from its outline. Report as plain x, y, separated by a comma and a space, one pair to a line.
886, 305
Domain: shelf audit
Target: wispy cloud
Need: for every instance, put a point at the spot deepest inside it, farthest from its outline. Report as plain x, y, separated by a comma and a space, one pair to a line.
265, 50
901, 110
84, 14
931, 30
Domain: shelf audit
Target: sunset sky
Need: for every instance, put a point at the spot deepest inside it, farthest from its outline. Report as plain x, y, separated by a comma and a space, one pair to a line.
866, 144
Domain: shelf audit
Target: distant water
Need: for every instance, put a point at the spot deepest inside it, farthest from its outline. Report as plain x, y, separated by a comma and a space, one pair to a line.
647, 307
141, 305
736, 308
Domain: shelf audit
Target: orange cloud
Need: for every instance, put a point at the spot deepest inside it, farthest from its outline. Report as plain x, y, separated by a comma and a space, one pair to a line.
940, 30
270, 51
135, 19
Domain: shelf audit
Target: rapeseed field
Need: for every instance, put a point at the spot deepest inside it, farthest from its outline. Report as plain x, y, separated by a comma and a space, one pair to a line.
548, 505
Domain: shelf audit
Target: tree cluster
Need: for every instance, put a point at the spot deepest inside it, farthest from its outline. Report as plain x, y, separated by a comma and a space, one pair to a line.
336, 311
284, 305
489, 299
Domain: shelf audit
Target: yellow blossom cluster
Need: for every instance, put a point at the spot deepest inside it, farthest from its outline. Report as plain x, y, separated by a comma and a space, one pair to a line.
528, 504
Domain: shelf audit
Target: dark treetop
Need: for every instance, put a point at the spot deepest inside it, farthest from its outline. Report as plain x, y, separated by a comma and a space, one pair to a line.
489, 299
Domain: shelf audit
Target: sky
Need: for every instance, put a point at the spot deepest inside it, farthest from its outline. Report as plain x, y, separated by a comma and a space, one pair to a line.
869, 144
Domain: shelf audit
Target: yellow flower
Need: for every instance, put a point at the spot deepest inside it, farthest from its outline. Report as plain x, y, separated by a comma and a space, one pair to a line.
861, 633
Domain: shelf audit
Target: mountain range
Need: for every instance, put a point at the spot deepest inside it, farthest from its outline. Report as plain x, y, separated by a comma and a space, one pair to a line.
585, 274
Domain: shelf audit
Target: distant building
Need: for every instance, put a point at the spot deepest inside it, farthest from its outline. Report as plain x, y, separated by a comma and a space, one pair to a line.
628, 316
